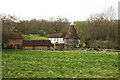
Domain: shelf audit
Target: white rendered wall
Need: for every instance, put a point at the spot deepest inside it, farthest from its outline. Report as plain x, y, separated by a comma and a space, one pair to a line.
59, 40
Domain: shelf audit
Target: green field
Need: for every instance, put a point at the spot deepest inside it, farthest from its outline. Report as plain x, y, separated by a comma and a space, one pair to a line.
34, 37
59, 64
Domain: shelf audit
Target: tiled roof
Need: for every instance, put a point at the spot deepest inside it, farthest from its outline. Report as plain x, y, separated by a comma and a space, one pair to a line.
57, 35
37, 43
71, 33
16, 35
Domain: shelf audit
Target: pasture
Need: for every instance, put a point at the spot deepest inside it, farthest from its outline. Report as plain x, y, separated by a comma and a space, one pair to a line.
34, 37
59, 64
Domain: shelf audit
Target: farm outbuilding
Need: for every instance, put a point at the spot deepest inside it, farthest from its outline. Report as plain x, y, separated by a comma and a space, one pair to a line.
15, 41
57, 39
37, 45
71, 39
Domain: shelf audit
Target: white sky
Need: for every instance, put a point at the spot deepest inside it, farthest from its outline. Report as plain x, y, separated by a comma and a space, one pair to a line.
44, 9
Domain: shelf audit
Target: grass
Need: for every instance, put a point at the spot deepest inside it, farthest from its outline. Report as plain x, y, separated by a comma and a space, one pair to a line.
34, 37
102, 41
59, 64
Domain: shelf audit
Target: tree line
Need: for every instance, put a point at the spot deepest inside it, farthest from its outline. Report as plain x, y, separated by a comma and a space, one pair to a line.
42, 27
98, 31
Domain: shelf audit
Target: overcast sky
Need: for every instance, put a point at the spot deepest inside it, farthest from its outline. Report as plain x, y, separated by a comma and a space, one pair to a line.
44, 9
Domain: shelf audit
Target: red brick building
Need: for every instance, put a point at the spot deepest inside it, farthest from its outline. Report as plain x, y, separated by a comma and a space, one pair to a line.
37, 45
15, 41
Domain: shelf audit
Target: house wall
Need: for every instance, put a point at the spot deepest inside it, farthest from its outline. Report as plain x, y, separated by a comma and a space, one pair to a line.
42, 48
71, 42
37, 48
54, 40
59, 47
18, 41
4, 45
14, 43
28, 47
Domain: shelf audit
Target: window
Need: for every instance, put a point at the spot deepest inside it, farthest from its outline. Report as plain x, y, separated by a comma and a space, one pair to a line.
71, 39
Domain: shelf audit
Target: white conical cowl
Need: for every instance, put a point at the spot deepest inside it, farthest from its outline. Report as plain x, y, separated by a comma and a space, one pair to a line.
72, 23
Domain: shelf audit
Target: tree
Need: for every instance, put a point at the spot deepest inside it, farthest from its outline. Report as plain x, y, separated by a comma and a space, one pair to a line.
98, 27
8, 24
48, 26
101, 26
41, 33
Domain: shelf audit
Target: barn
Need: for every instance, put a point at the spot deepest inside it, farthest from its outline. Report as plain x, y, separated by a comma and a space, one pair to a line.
14, 41
37, 45
71, 39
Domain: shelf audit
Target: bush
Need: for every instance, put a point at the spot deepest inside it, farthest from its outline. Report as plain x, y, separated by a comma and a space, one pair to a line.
49, 35
103, 45
41, 33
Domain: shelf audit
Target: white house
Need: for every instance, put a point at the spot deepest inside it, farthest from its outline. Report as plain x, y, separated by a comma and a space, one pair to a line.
57, 38
68, 40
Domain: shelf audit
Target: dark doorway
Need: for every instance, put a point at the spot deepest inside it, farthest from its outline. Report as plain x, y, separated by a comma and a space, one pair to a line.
18, 46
